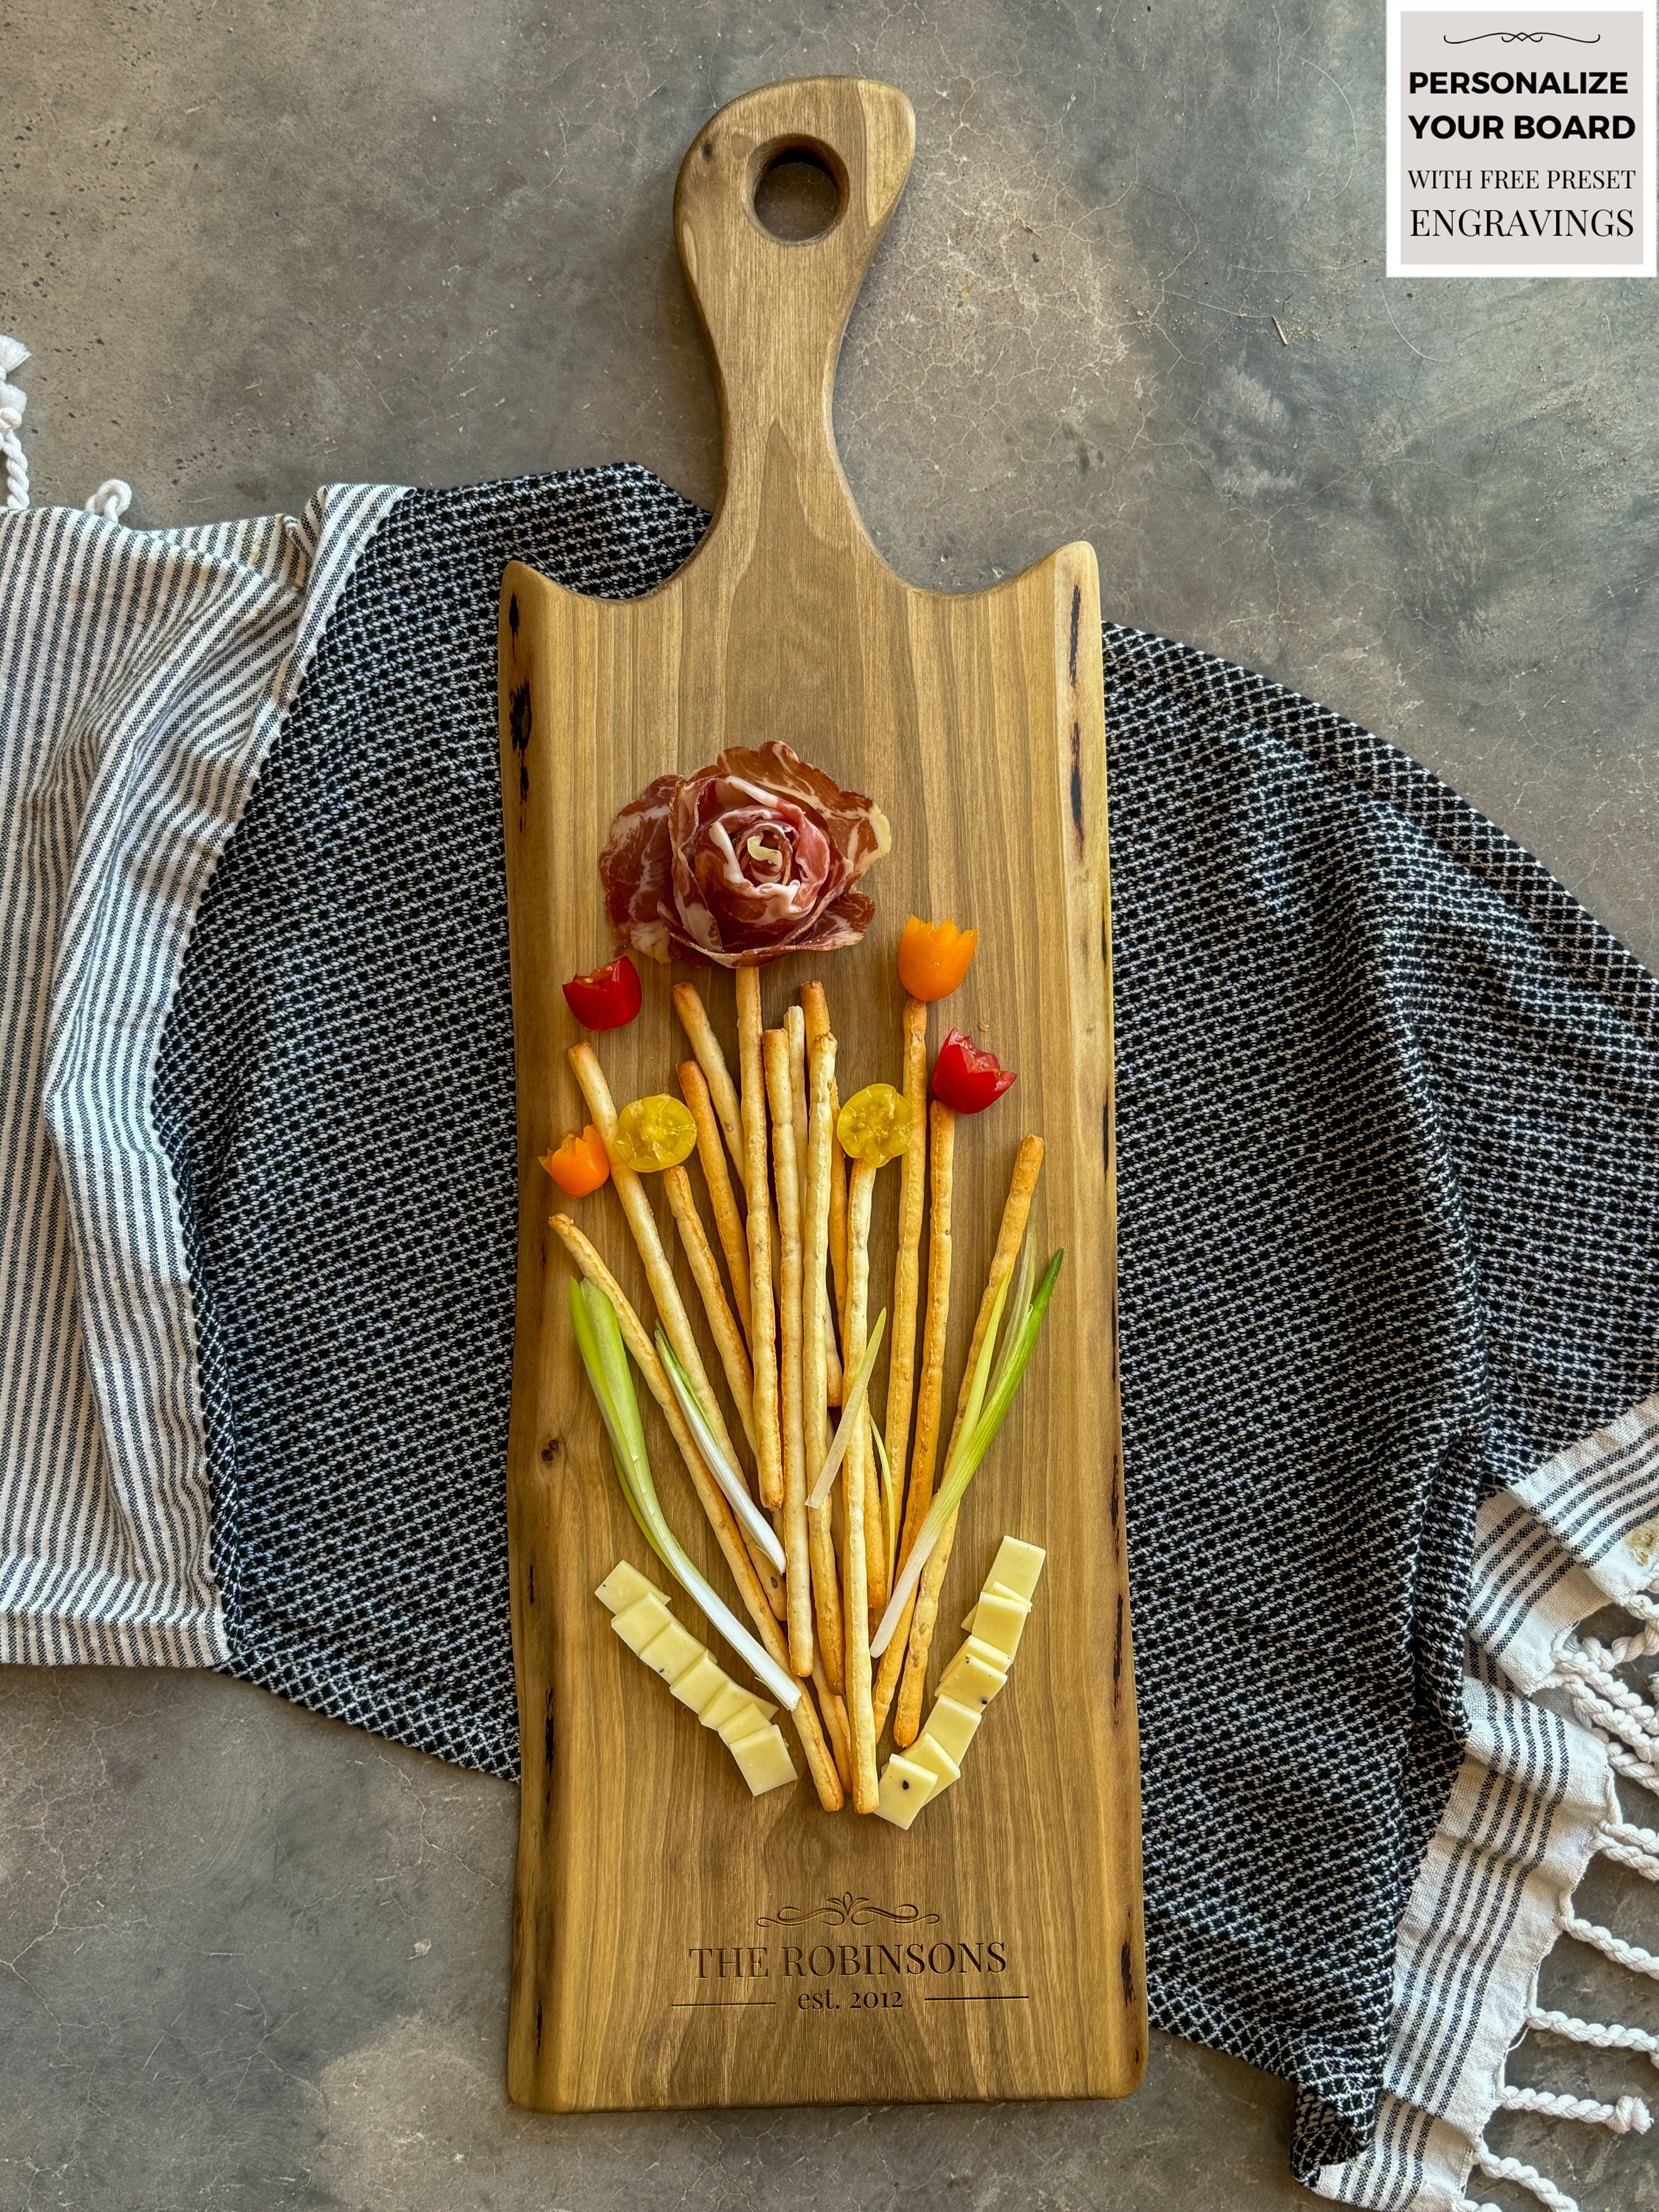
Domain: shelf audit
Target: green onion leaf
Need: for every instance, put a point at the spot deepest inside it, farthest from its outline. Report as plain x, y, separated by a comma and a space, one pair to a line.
986, 1414
730, 1481
852, 1405
604, 1356
889, 1504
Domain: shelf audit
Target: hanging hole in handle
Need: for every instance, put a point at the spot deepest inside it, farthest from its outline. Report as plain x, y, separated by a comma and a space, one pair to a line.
800, 189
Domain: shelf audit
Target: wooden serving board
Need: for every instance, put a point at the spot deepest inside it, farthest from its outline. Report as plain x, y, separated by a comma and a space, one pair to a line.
676, 1942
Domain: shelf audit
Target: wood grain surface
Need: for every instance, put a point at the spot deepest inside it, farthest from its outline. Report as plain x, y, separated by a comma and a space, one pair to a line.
848, 1961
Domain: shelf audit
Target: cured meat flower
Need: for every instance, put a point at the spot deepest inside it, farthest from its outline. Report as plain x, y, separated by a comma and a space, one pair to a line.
754, 857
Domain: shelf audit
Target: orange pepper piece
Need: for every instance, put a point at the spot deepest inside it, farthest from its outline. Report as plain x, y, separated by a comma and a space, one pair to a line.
933, 957
580, 1163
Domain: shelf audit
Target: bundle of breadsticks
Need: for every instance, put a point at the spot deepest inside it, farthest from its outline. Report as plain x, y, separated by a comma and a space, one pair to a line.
792, 1325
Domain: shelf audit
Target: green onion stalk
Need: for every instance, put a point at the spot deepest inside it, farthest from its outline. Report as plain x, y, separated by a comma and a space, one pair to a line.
599, 1340
690, 1400
990, 1394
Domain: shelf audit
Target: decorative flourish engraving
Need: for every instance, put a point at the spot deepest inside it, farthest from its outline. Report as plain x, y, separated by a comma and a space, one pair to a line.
1512, 37
843, 1912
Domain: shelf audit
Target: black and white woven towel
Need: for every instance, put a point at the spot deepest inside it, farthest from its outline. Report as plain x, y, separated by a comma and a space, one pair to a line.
1389, 1122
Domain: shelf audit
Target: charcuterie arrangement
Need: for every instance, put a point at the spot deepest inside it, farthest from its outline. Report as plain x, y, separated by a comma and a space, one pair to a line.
836, 1520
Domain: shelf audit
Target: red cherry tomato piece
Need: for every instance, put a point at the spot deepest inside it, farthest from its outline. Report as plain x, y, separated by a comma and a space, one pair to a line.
966, 1079
608, 999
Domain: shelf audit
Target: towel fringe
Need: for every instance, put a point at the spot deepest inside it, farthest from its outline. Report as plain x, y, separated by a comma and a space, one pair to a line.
1628, 2116
113, 497
1604, 1941
1622, 1721
1601, 2035
1527, 2176
12, 401
1629, 1845
1627, 1727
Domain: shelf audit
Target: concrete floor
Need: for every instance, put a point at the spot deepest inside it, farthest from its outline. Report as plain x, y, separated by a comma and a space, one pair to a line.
254, 1958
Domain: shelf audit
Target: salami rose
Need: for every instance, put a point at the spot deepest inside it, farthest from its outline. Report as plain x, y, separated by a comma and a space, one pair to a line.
754, 857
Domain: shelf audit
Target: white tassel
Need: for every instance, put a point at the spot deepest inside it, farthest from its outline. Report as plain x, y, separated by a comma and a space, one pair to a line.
1604, 1941
1630, 1846
1601, 2035
1611, 1708
1630, 2116
1528, 2177
111, 500
12, 403
1626, 1764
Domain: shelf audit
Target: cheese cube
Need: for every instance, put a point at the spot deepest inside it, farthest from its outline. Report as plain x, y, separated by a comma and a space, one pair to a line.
1001, 1622
624, 1586
951, 1727
745, 1719
763, 1759
671, 1652
701, 1682
926, 1753
969, 1682
641, 1623
905, 1789
1017, 1566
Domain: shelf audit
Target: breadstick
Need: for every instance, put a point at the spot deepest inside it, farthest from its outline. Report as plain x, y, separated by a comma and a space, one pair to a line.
942, 1145
901, 1367
795, 1029
855, 1489
835, 1722
816, 1008
762, 1336
860, 1190
694, 1020
815, 1340
1027, 1165
729, 1111
781, 1094
820, 1760
728, 1337
677, 1324
728, 1222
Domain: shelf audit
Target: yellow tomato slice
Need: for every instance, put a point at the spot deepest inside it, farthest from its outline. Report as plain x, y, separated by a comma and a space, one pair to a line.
874, 1125
653, 1134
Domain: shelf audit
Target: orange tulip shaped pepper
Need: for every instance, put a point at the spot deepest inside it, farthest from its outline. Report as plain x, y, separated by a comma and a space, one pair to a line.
580, 1163
933, 957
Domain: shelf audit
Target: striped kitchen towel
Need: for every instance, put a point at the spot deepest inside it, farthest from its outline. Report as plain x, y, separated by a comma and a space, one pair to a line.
1398, 1341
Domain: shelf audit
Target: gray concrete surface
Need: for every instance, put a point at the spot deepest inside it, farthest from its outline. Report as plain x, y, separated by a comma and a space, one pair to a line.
253, 1959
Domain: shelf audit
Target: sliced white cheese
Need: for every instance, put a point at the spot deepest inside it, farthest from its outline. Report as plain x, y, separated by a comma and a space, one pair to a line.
1012, 1597
745, 1719
951, 1727
986, 1653
701, 1682
999, 1622
670, 1652
1017, 1566
925, 1752
641, 1623
624, 1586
970, 1680
763, 1759
905, 1789
732, 1699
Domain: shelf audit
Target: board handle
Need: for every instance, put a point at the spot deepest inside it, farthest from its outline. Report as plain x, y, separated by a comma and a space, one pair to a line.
774, 309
